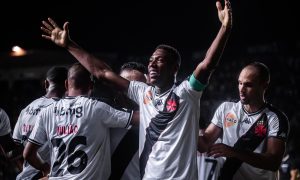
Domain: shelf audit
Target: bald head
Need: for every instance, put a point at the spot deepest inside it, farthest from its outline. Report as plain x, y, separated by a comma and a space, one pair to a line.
260, 71
79, 78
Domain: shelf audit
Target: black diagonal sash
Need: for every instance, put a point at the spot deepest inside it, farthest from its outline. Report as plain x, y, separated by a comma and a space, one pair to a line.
157, 125
248, 142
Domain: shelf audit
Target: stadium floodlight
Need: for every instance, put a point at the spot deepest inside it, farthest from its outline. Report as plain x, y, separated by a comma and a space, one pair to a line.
18, 51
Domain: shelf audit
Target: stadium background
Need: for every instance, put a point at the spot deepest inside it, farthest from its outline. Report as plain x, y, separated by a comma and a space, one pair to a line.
263, 30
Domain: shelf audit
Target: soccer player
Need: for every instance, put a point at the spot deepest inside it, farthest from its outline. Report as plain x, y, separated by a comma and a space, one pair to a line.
55, 89
169, 110
77, 129
6, 141
253, 132
124, 143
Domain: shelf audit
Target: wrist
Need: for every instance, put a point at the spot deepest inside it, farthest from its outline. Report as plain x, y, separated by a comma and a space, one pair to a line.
45, 169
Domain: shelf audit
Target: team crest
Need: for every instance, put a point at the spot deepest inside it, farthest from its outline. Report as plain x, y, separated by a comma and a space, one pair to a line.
230, 120
171, 105
260, 129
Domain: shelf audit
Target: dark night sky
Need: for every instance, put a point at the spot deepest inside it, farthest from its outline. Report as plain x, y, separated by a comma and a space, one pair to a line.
140, 26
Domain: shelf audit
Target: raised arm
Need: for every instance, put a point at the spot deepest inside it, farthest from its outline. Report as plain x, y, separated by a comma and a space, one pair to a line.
94, 65
214, 53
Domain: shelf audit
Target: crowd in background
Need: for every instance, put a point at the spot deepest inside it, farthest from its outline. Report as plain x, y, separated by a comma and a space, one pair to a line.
283, 93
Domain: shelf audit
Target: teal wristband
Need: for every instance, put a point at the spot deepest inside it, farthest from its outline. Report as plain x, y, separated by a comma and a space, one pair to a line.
196, 84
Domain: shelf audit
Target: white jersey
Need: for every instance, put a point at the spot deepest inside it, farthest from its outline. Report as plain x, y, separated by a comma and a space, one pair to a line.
4, 123
237, 125
22, 131
77, 129
209, 167
125, 160
168, 130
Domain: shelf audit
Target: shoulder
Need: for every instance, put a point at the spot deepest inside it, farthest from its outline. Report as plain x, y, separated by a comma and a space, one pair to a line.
275, 113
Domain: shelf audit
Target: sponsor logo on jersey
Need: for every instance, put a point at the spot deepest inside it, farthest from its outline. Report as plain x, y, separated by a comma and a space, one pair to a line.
33, 111
71, 111
148, 97
230, 120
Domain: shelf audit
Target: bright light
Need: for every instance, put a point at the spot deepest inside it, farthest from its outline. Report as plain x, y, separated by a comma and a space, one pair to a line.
17, 51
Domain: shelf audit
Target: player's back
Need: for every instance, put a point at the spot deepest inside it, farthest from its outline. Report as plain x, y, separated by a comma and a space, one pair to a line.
78, 130
22, 131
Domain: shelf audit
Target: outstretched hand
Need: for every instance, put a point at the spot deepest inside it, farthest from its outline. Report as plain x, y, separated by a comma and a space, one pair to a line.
225, 15
54, 33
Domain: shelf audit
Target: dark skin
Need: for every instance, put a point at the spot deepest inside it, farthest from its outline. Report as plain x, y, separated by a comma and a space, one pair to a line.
158, 60
252, 91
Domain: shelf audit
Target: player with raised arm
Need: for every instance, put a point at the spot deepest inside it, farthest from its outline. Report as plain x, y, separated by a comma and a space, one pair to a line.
169, 110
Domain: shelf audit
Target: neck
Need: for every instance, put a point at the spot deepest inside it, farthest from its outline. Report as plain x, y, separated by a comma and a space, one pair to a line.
251, 108
162, 89
55, 93
77, 92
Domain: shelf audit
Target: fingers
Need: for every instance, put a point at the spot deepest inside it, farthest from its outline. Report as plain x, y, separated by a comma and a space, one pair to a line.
53, 23
46, 37
48, 26
47, 31
219, 6
227, 4
66, 26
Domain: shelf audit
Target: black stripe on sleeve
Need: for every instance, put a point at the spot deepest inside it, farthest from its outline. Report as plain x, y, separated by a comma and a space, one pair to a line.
35, 142
129, 120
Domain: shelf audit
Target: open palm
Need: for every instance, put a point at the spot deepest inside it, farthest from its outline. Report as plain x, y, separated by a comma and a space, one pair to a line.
54, 33
225, 15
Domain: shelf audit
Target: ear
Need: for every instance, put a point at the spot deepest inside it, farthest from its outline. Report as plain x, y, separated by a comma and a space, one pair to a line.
175, 68
66, 85
46, 84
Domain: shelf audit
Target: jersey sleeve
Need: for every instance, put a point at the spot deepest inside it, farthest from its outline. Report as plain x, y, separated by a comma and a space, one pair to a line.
113, 117
188, 91
135, 90
218, 116
17, 135
4, 123
38, 135
278, 126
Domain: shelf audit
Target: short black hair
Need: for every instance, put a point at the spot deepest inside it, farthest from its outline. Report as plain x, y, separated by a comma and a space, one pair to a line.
80, 76
57, 74
263, 70
173, 52
134, 66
